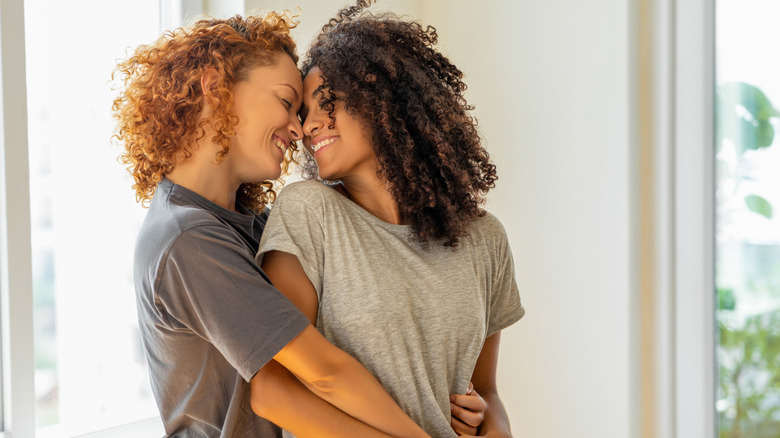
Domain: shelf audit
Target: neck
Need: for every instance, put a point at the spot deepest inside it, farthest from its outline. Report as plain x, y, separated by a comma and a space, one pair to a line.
373, 195
202, 175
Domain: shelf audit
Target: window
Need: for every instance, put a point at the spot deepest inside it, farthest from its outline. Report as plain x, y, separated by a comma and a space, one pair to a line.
90, 369
747, 269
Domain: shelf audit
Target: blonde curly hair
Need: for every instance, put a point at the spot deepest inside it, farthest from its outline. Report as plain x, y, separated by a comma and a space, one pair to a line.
159, 106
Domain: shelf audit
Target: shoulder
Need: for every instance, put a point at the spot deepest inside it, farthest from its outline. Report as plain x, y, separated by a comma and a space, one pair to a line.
169, 226
489, 225
305, 198
306, 190
487, 233
192, 220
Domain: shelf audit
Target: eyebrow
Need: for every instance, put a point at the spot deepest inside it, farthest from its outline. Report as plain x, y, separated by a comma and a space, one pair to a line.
293, 90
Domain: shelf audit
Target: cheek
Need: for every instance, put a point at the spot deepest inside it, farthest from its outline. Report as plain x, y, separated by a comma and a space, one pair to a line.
280, 116
283, 119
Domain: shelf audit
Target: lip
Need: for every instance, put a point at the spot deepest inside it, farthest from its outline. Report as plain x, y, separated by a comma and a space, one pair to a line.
320, 139
284, 142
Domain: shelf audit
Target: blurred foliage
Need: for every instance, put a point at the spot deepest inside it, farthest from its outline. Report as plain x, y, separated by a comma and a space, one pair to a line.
749, 377
743, 119
759, 205
726, 300
748, 350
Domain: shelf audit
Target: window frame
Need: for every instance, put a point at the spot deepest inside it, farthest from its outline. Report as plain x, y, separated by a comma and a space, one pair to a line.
17, 362
16, 302
678, 400
694, 205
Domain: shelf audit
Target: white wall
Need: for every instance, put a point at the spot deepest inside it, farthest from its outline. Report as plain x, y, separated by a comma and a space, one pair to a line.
551, 84
315, 13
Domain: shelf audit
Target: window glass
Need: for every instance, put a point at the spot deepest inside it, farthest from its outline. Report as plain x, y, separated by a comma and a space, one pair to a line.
747, 262
90, 367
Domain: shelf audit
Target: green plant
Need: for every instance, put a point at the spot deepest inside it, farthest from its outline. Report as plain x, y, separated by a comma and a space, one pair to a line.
749, 378
743, 115
748, 349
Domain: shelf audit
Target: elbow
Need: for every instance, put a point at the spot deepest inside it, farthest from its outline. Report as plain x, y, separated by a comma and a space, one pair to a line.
332, 377
326, 384
266, 391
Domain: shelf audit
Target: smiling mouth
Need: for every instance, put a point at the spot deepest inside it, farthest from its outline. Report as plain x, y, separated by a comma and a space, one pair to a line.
322, 143
278, 142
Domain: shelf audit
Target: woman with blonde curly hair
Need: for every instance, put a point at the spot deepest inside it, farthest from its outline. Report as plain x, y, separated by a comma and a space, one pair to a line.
208, 118
395, 260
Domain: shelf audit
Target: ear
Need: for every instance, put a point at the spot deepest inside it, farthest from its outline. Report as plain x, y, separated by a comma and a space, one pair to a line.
208, 81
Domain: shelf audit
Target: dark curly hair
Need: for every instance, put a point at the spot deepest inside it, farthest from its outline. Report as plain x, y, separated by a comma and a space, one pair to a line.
409, 97
160, 101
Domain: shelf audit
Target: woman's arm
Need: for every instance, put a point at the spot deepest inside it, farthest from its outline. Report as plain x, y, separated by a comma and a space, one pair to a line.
287, 275
277, 395
328, 372
496, 421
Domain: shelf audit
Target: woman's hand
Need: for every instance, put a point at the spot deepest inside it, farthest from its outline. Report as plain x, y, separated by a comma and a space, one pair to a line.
468, 411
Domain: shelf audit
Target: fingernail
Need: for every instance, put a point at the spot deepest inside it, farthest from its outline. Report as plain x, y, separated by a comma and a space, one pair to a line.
452, 398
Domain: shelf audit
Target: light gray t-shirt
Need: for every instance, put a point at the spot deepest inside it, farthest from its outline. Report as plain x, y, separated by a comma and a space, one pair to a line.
208, 316
416, 318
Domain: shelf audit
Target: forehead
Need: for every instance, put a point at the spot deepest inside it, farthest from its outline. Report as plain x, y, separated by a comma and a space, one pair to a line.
311, 82
282, 71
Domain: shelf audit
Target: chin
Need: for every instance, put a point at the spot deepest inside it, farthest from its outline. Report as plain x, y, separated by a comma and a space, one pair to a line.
268, 177
327, 177
324, 173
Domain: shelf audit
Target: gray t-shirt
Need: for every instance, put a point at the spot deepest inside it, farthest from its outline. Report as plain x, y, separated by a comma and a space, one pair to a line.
209, 318
416, 318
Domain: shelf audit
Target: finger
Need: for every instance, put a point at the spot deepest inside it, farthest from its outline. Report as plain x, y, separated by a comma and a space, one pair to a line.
473, 402
461, 428
470, 389
465, 416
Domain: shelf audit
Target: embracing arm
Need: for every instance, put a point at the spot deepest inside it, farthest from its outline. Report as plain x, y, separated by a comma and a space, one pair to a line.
280, 397
496, 421
330, 375
277, 395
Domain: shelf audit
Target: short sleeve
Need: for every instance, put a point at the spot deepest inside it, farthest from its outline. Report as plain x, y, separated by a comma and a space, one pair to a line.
294, 227
505, 307
210, 284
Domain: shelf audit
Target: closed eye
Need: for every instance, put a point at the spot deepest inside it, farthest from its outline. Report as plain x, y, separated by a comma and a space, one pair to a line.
287, 103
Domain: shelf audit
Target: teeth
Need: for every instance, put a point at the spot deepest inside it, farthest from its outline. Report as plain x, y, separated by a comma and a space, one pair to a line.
279, 144
327, 141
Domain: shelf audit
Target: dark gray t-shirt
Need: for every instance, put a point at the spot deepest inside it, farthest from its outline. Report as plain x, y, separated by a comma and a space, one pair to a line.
209, 318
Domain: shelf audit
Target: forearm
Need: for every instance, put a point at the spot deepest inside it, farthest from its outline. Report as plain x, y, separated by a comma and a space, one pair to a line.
496, 422
281, 398
339, 379
355, 391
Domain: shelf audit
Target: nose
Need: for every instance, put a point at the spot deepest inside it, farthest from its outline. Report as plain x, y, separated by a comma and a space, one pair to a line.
295, 129
312, 124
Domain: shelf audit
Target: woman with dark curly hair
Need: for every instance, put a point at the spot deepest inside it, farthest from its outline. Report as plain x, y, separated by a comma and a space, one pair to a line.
208, 118
394, 259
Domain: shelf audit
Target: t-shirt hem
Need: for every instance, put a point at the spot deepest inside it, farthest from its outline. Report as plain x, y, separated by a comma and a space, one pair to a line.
290, 248
262, 356
506, 322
